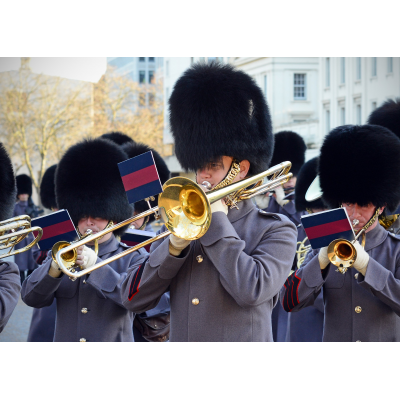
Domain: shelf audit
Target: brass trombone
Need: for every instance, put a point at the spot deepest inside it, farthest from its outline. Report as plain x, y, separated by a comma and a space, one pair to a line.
186, 210
19, 228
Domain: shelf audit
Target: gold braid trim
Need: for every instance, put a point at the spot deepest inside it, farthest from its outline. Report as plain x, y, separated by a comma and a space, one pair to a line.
232, 174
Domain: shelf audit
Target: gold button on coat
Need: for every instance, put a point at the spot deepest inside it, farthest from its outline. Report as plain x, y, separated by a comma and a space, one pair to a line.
195, 301
356, 276
199, 259
358, 309
82, 340
84, 281
84, 311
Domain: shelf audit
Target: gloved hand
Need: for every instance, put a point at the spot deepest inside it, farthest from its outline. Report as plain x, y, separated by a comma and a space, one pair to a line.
176, 245
54, 270
86, 257
323, 257
362, 259
279, 195
219, 206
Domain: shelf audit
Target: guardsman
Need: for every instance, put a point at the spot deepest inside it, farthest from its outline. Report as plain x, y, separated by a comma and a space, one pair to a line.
43, 319
89, 186
134, 150
10, 286
359, 168
224, 285
307, 324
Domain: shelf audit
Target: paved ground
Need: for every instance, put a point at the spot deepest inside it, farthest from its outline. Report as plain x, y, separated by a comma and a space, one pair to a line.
17, 327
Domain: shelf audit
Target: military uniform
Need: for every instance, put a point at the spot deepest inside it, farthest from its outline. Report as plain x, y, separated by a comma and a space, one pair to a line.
89, 308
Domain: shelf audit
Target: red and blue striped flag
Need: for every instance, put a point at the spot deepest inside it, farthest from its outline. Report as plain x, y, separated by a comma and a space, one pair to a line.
140, 177
323, 227
133, 237
56, 227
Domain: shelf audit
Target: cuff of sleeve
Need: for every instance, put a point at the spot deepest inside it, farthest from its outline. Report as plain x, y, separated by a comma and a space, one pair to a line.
312, 273
375, 277
220, 228
290, 207
104, 278
167, 264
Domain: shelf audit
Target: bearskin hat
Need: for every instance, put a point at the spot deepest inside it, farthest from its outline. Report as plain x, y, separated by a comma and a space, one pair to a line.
360, 164
47, 188
387, 115
88, 182
305, 177
136, 149
8, 189
24, 184
216, 110
289, 146
117, 137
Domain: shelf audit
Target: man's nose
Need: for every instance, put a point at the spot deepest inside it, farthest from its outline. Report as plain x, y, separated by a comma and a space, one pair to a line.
90, 221
204, 174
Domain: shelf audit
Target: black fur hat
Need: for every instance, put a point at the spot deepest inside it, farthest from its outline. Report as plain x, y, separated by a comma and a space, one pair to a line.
88, 182
387, 115
289, 146
360, 164
305, 177
8, 189
24, 184
136, 149
47, 188
216, 110
117, 137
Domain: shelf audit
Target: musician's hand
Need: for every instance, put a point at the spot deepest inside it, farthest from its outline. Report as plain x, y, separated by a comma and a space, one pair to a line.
177, 245
54, 270
279, 196
323, 257
219, 206
362, 259
86, 257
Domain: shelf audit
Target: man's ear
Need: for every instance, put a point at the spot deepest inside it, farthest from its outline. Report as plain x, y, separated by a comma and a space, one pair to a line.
244, 168
381, 210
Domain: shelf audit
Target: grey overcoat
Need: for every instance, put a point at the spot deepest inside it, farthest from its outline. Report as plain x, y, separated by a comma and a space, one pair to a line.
10, 288
357, 308
89, 308
224, 285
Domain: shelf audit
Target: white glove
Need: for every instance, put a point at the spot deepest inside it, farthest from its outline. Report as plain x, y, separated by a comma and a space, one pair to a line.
54, 270
362, 259
219, 206
279, 195
88, 258
323, 257
176, 245
262, 201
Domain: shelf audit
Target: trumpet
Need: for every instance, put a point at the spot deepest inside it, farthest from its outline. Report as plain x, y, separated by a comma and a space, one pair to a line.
19, 228
185, 209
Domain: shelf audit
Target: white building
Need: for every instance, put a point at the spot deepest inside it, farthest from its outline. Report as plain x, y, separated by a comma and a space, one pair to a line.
352, 87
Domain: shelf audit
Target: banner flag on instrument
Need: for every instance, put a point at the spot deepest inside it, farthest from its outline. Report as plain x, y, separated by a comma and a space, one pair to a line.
140, 177
133, 237
323, 227
56, 226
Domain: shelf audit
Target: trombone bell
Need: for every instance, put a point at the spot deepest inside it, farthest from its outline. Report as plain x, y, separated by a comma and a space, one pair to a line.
69, 257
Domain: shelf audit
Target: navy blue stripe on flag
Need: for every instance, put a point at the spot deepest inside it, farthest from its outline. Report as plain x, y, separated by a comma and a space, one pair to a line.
47, 244
141, 192
136, 163
323, 217
51, 219
326, 240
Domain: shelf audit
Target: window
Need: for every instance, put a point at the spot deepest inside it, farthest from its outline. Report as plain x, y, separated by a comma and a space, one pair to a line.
142, 99
373, 66
390, 65
142, 58
358, 114
151, 99
299, 86
152, 59
151, 76
142, 76
328, 120
342, 70
358, 68
265, 86
342, 116
327, 72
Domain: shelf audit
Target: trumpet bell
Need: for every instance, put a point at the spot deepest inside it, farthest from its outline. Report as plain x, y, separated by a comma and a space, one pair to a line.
69, 257
342, 253
185, 208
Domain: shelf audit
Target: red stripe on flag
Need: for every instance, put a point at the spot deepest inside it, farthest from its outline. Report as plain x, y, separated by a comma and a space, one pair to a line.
327, 229
57, 229
140, 178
